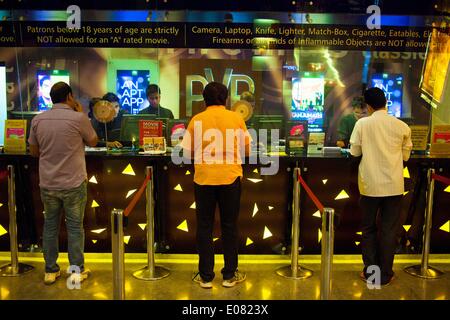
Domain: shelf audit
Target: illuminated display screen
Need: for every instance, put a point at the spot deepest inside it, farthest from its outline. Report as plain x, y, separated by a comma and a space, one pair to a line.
308, 99
131, 86
437, 65
392, 86
46, 79
2, 102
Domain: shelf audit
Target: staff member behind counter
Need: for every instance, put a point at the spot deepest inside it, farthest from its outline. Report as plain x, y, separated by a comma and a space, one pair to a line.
153, 93
113, 127
347, 122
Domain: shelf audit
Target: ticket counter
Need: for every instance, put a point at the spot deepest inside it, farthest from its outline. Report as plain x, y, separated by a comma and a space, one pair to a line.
265, 217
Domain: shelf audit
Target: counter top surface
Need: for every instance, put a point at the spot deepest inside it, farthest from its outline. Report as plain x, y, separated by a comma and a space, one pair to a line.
167, 156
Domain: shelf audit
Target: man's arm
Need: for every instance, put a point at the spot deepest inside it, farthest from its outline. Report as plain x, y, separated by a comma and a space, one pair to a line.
34, 150
407, 145
93, 141
356, 141
88, 133
32, 141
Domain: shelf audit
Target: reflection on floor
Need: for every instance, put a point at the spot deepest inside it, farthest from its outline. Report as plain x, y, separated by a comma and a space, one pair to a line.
262, 283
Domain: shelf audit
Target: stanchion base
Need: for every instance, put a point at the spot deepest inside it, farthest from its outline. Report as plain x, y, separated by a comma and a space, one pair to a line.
302, 273
8, 271
144, 273
430, 273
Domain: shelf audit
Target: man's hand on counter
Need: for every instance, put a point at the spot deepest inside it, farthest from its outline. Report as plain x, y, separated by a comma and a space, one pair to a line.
114, 144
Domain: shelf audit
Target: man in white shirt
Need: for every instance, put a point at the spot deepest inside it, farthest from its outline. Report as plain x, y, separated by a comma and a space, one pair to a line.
384, 142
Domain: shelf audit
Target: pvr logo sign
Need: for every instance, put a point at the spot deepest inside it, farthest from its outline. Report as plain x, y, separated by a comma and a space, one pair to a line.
230, 80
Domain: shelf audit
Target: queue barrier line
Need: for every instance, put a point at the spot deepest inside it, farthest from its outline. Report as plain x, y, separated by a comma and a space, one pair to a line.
327, 243
3, 174
136, 197
311, 194
440, 178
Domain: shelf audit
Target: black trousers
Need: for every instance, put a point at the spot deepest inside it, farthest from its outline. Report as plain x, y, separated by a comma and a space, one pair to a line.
380, 251
228, 198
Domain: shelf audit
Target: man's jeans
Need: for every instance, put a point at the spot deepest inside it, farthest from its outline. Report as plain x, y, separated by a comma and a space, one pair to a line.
73, 201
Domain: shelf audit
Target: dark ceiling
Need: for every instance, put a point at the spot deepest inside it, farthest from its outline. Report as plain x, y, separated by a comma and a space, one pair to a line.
403, 7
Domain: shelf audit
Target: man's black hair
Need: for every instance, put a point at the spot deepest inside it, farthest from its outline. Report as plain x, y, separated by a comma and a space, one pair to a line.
59, 92
215, 93
111, 97
375, 98
151, 89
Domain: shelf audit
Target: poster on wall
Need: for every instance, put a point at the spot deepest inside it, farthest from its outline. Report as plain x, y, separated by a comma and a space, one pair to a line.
131, 86
45, 80
129, 79
308, 99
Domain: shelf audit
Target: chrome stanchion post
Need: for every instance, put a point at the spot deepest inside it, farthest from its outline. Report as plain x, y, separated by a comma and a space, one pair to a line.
327, 252
151, 271
15, 268
118, 254
424, 270
295, 271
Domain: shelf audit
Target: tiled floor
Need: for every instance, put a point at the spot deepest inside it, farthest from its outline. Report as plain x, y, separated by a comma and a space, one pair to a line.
262, 282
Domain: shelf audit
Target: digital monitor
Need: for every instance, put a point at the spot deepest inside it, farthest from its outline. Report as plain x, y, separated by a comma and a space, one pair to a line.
392, 86
436, 69
129, 130
308, 99
130, 88
3, 106
45, 80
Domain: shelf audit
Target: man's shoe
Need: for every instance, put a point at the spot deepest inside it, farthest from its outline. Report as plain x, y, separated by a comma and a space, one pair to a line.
50, 277
362, 276
237, 278
388, 282
204, 284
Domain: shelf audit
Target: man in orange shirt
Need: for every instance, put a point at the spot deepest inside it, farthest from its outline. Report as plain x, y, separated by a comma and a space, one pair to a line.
218, 139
